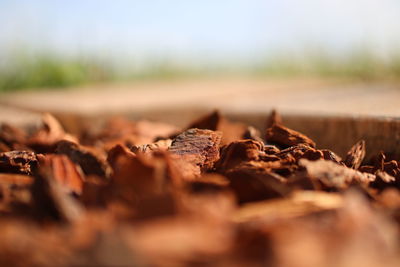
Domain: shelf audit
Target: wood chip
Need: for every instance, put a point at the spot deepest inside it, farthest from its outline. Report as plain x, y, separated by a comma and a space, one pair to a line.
334, 175
24, 162
64, 171
285, 137
231, 131
92, 163
356, 155
198, 147
239, 152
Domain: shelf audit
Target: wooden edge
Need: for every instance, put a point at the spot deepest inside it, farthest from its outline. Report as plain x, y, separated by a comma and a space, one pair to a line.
335, 132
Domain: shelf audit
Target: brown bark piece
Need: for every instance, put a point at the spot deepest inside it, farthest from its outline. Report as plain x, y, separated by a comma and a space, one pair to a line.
208, 183
209, 121
313, 154
238, 152
274, 118
368, 169
392, 168
389, 176
50, 200
91, 162
330, 155
271, 150
334, 175
15, 193
11, 179
45, 138
175, 203
130, 133
356, 155
195, 241
384, 176
138, 175
253, 134
141, 184
64, 171
300, 151
95, 192
299, 204
12, 136
285, 137
4, 147
159, 145
231, 131
198, 147
254, 181
116, 152
296, 152
142, 174
24, 162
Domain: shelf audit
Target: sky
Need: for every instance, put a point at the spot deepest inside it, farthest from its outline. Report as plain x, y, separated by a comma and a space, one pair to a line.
203, 30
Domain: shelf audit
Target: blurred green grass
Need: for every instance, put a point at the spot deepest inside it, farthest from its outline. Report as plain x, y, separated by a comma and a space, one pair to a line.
50, 71
53, 71
359, 65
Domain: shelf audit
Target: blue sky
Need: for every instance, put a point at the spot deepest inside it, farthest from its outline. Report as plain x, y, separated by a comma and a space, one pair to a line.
205, 29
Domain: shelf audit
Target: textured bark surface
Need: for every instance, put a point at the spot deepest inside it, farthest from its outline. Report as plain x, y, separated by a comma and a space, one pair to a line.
198, 147
91, 162
356, 155
138, 193
23, 162
285, 137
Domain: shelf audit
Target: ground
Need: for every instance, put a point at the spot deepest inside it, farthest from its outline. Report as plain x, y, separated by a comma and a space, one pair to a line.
298, 95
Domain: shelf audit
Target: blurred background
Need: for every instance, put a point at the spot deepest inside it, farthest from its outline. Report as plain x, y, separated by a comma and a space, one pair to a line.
243, 46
